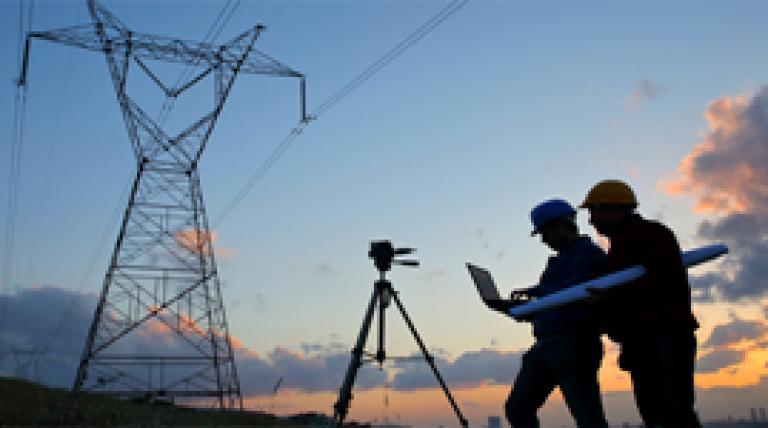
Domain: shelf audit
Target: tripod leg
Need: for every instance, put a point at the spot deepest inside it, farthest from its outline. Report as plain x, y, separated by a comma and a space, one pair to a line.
345, 394
383, 304
430, 360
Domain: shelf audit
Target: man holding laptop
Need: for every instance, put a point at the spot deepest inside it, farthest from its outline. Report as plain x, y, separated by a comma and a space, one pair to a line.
567, 351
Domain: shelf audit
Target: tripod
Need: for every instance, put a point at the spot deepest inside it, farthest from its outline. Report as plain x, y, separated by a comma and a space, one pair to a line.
383, 253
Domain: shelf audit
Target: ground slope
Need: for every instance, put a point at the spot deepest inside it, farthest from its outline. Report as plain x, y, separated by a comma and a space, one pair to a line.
27, 403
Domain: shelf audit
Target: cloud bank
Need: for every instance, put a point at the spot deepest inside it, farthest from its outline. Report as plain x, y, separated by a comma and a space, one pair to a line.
471, 369
719, 359
728, 344
727, 174
35, 320
735, 332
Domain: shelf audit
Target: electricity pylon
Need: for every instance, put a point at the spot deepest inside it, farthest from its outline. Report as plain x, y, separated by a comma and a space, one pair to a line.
162, 276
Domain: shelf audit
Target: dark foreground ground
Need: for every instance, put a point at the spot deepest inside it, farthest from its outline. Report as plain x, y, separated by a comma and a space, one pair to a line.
26, 403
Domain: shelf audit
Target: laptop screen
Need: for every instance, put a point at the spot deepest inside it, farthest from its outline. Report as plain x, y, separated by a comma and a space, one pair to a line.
484, 282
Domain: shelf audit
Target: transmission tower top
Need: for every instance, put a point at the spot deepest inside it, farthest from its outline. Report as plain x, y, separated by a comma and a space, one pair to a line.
122, 46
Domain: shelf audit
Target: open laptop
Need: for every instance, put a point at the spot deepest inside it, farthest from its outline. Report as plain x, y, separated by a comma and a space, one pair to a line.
488, 291
484, 283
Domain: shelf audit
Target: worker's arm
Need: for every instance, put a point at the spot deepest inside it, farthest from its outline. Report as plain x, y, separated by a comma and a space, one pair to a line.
502, 305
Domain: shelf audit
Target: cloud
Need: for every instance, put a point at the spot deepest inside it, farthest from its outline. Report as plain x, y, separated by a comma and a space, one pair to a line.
727, 173
719, 359
35, 315
319, 367
470, 369
332, 347
194, 240
729, 344
55, 321
196, 243
35, 321
306, 373
727, 170
645, 90
735, 332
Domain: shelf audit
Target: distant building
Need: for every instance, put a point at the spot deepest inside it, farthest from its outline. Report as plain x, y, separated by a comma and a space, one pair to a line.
732, 422
494, 422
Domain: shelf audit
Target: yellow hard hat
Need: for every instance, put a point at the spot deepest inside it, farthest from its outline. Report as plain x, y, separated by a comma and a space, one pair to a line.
610, 192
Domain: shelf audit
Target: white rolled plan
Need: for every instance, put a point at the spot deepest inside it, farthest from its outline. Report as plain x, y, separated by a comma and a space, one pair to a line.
579, 291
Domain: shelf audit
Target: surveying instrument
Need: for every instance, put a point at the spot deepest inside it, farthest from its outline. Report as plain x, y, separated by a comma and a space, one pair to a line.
383, 255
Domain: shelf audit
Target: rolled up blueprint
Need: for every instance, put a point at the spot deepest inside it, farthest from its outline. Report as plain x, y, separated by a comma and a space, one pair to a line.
579, 292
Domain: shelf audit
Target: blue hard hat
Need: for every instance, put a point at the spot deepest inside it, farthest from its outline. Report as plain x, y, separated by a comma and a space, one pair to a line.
549, 210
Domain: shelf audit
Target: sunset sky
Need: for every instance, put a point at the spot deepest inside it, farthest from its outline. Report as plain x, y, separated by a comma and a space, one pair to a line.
506, 104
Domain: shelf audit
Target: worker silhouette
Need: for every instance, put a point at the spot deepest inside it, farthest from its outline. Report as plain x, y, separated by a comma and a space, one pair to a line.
567, 349
650, 318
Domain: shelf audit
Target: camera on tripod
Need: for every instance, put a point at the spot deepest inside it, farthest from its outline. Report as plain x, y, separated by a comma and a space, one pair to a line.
383, 255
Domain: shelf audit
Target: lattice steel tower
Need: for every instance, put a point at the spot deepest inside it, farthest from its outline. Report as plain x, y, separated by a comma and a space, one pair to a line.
162, 274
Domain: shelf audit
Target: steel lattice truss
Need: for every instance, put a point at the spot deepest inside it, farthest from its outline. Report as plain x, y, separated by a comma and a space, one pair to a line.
162, 277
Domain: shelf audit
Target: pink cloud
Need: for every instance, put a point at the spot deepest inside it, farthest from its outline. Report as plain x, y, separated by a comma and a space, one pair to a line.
727, 174
197, 241
728, 170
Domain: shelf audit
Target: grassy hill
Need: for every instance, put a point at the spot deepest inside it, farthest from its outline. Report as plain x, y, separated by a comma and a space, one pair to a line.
26, 403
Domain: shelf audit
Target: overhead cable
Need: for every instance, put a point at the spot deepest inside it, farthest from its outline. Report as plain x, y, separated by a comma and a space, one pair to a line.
387, 58
271, 22
14, 177
85, 277
50, 151
337, 96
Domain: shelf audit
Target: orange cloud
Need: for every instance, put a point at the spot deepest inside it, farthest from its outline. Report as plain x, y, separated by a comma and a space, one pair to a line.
164, 319
198, 241
727, 174
195, 240
743, 338
726, 171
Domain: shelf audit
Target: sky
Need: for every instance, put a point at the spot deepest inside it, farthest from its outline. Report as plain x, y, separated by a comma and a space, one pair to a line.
446, 150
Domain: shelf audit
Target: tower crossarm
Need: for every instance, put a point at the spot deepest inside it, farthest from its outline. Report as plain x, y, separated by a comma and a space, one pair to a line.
166, 49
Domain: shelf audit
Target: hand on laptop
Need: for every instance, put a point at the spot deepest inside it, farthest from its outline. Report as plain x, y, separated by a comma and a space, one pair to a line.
521, 296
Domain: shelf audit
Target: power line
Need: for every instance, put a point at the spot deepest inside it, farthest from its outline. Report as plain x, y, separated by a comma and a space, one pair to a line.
277, 15
215, 35
335, 98
387, 58
50, 152
14, 174
273, 157
110, 226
